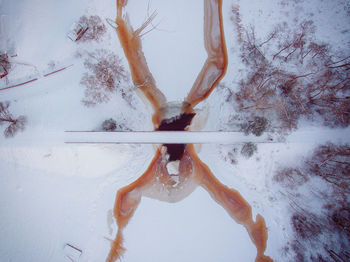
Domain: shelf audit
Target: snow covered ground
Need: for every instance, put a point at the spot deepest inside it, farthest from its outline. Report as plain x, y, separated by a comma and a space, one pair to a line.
52, 193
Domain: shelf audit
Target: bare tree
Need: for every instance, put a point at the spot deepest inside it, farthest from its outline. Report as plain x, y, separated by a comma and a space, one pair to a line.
107, 76
331, 163
289, 75
327, 232
14, 124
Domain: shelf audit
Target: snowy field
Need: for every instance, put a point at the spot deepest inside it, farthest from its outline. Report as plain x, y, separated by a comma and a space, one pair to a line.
53, 194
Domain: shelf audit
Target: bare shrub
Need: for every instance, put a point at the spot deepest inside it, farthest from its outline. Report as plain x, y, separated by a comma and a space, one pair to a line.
107, 76
96, 28
14, 124
248, 149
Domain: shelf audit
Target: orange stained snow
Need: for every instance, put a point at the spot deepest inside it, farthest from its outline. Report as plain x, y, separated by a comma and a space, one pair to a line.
157, 182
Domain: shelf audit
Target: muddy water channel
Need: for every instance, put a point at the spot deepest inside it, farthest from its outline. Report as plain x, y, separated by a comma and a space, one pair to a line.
158, 182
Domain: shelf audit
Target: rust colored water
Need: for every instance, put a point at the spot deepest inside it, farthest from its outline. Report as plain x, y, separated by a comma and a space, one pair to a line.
157, 182
177, 123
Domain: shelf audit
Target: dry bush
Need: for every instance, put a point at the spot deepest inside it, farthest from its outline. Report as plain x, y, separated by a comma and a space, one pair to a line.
14, 124
289, 75
96, 28
107, 76
324, 236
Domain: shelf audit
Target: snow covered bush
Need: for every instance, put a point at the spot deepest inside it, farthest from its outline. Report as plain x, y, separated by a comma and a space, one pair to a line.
248, 149
112, 125
107, 76
109, 125
289, 75
96, 28
321, 234
14, 124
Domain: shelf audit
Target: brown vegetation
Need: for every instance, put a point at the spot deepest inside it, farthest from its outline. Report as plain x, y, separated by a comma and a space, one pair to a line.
14, 124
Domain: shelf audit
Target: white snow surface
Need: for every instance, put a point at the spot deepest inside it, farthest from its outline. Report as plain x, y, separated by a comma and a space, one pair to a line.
52, 193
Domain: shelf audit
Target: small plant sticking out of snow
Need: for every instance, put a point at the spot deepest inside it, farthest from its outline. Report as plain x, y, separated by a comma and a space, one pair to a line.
322, 234
257, 126
248, 149
14, 124
95, 28
107, 76
229, 154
